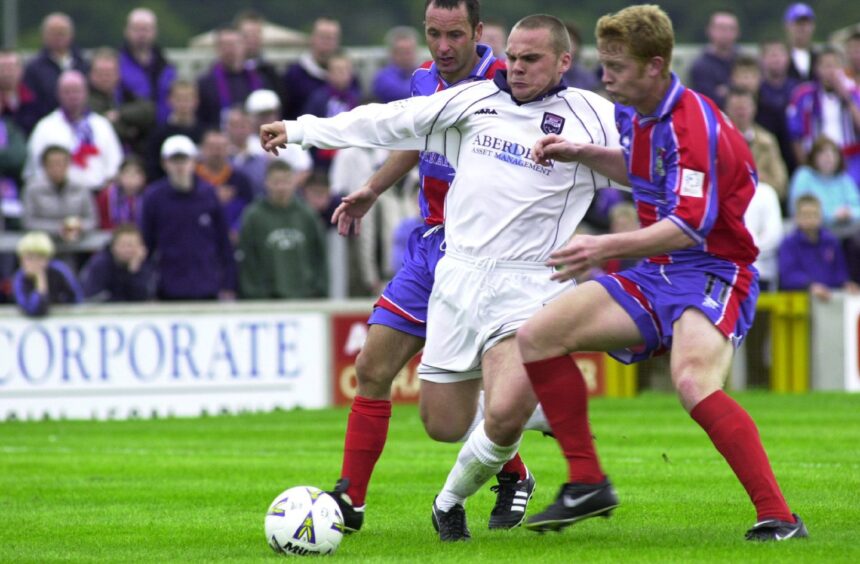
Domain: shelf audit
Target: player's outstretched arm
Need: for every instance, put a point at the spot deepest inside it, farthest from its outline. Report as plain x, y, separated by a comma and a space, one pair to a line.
583, 252
356, 205
605, 160
273, 136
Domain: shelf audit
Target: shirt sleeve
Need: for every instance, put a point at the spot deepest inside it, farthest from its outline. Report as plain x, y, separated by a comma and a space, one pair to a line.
418, 123
691, 170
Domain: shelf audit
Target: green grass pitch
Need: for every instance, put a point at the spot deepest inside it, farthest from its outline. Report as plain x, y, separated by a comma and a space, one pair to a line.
196, 490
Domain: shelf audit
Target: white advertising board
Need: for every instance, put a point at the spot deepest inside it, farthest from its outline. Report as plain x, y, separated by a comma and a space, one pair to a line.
162, 364
851, 320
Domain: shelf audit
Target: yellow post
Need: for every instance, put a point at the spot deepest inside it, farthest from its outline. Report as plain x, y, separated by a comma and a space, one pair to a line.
799, 342
620, 378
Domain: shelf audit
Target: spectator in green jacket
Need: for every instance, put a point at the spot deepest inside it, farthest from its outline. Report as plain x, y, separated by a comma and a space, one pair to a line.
282, 245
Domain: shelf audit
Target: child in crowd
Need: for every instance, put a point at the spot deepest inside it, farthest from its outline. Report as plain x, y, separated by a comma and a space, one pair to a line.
42, 281
811, 257
121, 201
824, 177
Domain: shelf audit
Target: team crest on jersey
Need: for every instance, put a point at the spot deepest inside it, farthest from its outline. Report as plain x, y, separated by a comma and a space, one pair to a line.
551, 123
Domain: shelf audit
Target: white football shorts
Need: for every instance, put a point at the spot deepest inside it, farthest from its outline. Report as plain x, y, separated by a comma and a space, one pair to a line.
475, 303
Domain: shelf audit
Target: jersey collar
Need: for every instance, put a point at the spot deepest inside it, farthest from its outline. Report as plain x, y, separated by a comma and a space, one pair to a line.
667, 103
478, 72
501, 80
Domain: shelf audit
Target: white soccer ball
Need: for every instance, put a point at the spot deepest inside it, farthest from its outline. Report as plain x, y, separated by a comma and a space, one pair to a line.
304, 521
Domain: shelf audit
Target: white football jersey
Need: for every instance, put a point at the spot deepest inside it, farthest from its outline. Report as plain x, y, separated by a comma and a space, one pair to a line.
502, 204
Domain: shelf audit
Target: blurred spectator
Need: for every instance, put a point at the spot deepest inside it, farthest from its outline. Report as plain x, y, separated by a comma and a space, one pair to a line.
122, 201
250, 25
711, 70
263, 106
622, 218
852, 256
13, 155
310, 72
181, 121
318, 195
55, 202
372, 248
144, 70
17, 101
825, 178
799, 29
403, 231
232, 187
830, 106
132, 118
184, 229
282, 244
90, 138
495, 34
229, 81
740, 106
852, 55
578, 75
120, 272
250, 163
57, 56
763, 218
334, 97
811, 258
774, 95
394, 81
746, 74
597, 214
41, 281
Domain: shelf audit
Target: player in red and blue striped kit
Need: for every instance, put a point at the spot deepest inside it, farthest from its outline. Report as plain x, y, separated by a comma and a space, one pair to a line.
692, 177
398, 322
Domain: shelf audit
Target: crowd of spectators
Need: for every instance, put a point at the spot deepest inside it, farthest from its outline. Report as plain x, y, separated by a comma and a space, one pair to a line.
172, 168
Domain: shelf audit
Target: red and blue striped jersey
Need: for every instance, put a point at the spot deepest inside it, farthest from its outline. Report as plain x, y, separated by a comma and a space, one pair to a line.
688, 163
434, 171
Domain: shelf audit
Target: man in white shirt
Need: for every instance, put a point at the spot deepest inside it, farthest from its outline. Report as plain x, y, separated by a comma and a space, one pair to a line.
504, 214
90, 138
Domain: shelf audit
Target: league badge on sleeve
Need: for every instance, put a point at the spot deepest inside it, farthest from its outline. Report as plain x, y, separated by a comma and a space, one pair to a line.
551, 123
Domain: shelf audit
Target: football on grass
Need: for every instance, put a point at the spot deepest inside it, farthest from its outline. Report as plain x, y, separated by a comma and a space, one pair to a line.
304, 521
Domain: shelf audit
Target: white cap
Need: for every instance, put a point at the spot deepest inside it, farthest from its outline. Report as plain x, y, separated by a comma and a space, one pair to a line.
262, 101
178, 145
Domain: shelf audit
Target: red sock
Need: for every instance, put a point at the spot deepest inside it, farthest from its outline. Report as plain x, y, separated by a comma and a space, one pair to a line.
735, 435
516, 466
561, 390
366, 432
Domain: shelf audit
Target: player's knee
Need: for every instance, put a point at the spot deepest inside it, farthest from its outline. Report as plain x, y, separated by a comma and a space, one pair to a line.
374, 378
442, 429
691, 381
536, 343
504, 426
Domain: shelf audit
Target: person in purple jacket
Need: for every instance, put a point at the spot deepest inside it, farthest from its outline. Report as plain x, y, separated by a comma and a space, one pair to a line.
309, 73
120, 272
811, 258
184, 229
144, 71
42, 281
58, 54
394, 81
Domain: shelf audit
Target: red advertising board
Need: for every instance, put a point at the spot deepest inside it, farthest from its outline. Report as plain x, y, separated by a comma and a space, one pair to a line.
349, 332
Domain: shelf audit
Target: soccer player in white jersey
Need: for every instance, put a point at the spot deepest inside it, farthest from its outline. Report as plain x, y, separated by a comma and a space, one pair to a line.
504, 215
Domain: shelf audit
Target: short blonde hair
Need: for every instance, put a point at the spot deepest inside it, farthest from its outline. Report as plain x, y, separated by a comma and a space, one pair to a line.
36, 243
645, 30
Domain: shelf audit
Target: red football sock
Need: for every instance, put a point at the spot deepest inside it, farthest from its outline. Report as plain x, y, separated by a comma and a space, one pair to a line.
561, 390
735, 435
516, 465
366, 432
